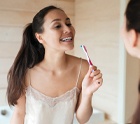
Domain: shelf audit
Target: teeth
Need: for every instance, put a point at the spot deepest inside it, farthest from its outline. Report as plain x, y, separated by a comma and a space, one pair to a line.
66, 39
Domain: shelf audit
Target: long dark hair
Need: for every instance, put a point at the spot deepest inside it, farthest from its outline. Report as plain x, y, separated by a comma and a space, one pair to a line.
133, 22
31, 53
133, 15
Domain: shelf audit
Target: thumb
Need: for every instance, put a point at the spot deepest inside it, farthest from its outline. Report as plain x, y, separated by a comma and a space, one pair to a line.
89, 71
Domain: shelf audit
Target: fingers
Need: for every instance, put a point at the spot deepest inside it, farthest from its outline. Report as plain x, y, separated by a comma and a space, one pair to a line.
90, 70
95, 86
94, 73
93, 79
94, 68
97, 76
99, 81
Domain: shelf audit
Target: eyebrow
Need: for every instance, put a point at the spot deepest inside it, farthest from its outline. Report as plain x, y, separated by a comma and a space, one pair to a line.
60, 19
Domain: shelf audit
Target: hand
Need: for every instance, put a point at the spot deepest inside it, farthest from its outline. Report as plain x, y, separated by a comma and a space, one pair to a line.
92, 81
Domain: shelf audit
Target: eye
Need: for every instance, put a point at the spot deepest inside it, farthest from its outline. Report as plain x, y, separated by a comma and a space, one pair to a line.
58, 26
69, 24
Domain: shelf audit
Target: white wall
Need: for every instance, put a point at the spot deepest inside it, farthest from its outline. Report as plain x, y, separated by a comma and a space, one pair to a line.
97, 25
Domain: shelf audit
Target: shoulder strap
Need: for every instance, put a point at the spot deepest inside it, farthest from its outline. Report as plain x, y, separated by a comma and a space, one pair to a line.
79, 72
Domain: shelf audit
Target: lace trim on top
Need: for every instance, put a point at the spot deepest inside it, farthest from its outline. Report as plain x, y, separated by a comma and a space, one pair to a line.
30, 91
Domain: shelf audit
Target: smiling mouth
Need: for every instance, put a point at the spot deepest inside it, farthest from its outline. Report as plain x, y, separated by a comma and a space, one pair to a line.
67, 39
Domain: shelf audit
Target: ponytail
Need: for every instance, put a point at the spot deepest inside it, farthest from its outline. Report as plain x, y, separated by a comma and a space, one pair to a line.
30, 53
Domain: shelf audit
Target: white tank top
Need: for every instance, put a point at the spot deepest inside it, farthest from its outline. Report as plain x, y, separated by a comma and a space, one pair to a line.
42, 109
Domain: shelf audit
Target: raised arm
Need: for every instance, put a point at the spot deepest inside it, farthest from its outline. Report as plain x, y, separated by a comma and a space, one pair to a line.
91, 82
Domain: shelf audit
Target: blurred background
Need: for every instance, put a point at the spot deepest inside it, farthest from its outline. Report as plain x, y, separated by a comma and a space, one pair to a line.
97, 24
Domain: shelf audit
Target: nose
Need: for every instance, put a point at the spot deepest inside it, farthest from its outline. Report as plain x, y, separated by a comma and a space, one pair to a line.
66, 29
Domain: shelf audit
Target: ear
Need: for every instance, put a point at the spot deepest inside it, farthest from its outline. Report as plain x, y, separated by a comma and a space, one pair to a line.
39, 37
133, 38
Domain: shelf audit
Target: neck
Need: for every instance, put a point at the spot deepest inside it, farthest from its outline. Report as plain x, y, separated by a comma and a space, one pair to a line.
57, 61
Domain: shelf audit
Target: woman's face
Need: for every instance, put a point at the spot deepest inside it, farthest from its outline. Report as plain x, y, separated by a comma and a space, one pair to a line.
58, 31
126, 35
131, 40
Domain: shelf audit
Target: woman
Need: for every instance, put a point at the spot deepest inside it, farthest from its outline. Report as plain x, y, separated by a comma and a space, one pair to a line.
131, 36
45, 84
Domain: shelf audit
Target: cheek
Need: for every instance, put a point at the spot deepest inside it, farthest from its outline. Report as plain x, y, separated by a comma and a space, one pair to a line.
126, 41
124, 35
52, 36
73, 31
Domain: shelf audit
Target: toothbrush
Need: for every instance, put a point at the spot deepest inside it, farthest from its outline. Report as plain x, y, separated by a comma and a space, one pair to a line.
88, 59
85, 51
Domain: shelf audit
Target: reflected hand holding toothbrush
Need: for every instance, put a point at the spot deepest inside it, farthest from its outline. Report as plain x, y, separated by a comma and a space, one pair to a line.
93, 79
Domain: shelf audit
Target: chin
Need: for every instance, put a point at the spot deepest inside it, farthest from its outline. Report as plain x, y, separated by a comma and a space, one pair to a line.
69, 48
136, 55
132, 54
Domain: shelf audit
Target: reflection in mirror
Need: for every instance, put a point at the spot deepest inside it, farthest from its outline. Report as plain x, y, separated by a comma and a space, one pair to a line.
97, 26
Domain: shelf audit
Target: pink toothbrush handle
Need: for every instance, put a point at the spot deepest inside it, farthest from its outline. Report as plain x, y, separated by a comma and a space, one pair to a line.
90, 62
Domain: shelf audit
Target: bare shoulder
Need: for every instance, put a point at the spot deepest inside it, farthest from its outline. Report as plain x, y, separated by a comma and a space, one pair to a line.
29, 74
85, 67
27, 78
77, 61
